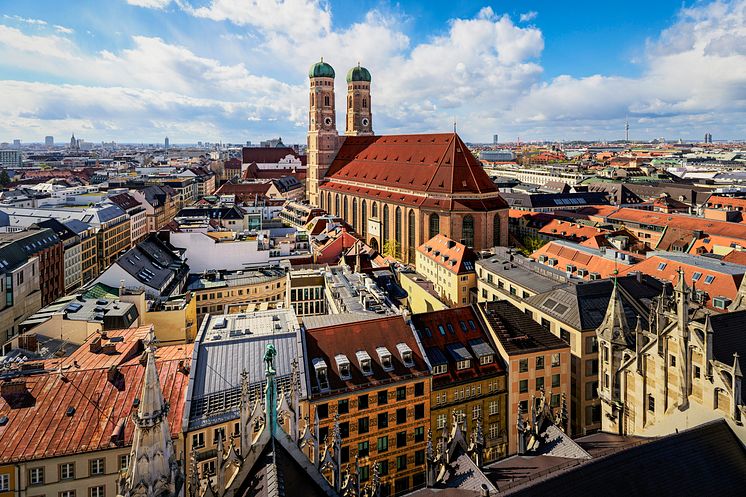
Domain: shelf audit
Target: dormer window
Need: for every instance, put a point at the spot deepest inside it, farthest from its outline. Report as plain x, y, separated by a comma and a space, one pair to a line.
343, 366
462, 365
321, 375
440, 369
385, 357
364, 361
486, 359
405, 352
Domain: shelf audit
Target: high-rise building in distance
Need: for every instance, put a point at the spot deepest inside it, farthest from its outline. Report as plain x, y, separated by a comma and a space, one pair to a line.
166, 143
49, 141
494, 139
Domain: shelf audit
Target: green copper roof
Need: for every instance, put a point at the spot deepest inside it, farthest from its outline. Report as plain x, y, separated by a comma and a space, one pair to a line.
321, 70
358, 73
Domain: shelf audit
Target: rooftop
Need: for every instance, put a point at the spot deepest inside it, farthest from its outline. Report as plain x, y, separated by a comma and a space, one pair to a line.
516, 331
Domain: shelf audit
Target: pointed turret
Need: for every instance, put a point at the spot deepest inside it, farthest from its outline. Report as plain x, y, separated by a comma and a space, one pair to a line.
153, 469
614, 328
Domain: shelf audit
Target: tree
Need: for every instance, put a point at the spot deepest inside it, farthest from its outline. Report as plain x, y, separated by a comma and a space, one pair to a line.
4, 178
391, 248
531, 244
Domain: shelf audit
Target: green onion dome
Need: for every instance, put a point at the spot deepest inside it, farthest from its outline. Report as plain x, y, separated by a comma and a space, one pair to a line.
321, 70
358, 73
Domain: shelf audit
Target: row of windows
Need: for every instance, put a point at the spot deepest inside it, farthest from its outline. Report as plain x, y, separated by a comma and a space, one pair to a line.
539, 363
539, 383
363, 401
66, 471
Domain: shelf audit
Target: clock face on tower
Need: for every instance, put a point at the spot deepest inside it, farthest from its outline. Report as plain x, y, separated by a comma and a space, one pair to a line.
328, 121
365, 121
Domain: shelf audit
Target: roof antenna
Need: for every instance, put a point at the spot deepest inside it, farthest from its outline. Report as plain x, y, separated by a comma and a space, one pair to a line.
454, 125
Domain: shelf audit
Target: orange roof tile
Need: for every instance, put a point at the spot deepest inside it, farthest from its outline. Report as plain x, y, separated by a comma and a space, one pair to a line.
448, 254
571, 231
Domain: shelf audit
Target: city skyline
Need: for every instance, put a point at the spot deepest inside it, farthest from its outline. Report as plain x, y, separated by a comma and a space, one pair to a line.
141, 70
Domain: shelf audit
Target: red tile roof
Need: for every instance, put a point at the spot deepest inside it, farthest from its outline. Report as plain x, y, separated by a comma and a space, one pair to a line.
581, 259
437, 163
38, 426
727, 203
244, 192
113, 353
326, 343
736, 257
449, 254
268, 155
460, 326
723, 228
571, 231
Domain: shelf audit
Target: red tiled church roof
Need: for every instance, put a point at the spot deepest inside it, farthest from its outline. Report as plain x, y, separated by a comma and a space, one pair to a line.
435, 163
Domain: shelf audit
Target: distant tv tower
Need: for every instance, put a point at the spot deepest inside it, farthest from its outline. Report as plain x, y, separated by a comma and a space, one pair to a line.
626, 129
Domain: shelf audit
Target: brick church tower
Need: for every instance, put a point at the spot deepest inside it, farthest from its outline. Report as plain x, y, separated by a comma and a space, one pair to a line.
359, 116
323, 138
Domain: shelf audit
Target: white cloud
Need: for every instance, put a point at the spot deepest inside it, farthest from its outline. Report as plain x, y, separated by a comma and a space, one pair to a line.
150, 4
528, 16
63, 29
27, 20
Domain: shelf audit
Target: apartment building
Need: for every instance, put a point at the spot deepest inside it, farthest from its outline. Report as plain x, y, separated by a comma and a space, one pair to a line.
160, 204
449, 265
537, 362
136, 212
469, 377
306, 292
73, 251
46, 246
368, 382
215, 290
88, 248
20, 293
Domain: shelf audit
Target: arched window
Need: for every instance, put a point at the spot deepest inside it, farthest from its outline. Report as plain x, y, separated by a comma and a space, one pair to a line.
386, 233
365, 103
326, 100
311, 99
374, 210
349, 101
411, 232
397, 231
363, 218
467, 230
321, 200
354, 215
496, 230
336, 205
434, 227
329, 203
344, 210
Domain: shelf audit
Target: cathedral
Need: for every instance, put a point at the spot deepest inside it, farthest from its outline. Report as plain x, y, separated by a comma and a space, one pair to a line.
395, 191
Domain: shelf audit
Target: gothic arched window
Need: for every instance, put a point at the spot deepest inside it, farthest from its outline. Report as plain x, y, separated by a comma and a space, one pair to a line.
329, 203
411, 232
434, 227
344, 210
363, 218
397, 231
374, 210
467, 230
496, 230
349, 101
354, 215
326, 100
365, 103
386, 233
336, 205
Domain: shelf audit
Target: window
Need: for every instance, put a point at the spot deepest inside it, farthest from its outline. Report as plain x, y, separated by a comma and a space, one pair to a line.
540, 383
345, 455
673, 361
401, 439
545, 323
363, 425
419, 389
696, 276
462, 364
555, 360
363, 449
5, 483
440, 421
354, 214
591, 367
36, 476
494, 430
493, 409
383, 397
697, 371
97, 466
343, 407
496, 230
363, 218
362, 402
523, 365
419, 457
96, 491
383, 444
709, 279
591, 345
401, 462
485, 359
322, 411
383, 468
383, 420
67, 471
565, 336
591, 390
540, 362
67, 493
434, 226
651, 403
523, 386
124, 462
419, 434
412, 249
218, 432
401, 393
401, 416
440, 369
467, 230
476, 411
555, 380
419, 411
397, 231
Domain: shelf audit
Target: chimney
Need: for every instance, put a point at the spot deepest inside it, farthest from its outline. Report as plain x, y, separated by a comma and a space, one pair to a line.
109, 348
484, 490
13, 388
95, 346
28, 342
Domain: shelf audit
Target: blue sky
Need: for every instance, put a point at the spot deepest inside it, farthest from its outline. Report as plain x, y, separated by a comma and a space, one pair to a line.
236, 70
